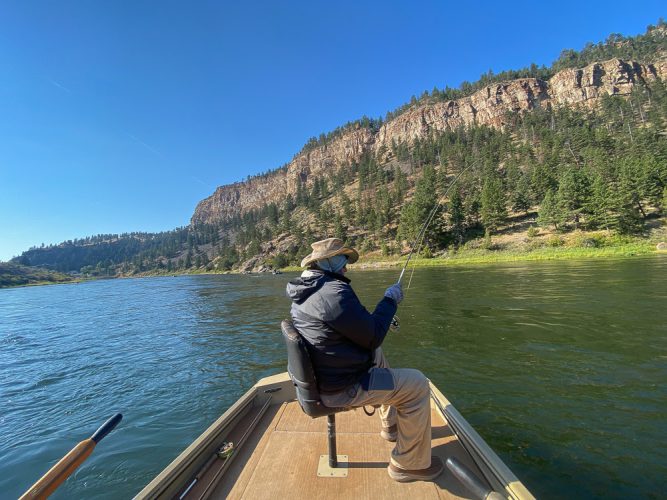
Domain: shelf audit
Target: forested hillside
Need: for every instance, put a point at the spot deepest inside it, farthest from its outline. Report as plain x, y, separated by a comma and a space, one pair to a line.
18, 275
555, 169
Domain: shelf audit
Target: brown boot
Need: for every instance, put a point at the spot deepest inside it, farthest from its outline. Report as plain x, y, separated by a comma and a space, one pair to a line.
405, 475
389, 433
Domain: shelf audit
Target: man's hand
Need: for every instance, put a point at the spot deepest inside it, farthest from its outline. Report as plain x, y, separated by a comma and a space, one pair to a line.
395, 292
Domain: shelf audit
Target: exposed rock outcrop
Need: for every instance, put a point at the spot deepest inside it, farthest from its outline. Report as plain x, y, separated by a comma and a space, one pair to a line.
241, 196
587, 85
489, 106
485, 107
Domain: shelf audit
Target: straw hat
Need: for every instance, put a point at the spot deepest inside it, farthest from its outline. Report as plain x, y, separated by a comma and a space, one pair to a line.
329, 248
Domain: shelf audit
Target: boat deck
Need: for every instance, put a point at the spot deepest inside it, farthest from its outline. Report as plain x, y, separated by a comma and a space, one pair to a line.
277, 450
281, 454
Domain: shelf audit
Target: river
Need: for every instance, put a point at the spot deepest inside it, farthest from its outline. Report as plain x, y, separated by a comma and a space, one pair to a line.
560, 366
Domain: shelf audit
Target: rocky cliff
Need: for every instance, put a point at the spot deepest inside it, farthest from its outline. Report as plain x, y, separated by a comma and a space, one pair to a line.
241, 196
489, 106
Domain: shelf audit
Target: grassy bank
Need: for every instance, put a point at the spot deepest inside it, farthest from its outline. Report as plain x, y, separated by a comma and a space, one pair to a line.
483, 256
549, 246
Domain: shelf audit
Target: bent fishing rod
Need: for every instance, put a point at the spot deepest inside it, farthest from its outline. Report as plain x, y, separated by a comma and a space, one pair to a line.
422, 232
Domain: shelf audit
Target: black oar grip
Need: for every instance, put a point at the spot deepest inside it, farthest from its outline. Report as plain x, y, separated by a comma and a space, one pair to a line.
106, 428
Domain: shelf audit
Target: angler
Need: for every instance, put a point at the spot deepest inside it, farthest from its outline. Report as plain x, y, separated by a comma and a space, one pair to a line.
344, 341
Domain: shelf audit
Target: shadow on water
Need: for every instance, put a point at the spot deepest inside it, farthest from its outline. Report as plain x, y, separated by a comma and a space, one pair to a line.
560, 366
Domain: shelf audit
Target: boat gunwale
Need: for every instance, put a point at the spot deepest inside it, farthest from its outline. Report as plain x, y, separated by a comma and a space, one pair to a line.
174, 477
187, 459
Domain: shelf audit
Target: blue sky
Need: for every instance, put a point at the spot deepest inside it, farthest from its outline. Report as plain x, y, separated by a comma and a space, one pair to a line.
120, 116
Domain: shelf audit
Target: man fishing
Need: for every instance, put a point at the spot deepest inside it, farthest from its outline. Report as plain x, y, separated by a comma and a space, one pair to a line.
344, 342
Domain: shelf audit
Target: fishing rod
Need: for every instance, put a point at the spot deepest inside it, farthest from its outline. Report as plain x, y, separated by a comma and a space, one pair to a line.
395, 322
422, 233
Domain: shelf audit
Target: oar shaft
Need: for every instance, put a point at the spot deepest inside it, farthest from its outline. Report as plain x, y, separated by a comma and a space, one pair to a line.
61, 471
69, 463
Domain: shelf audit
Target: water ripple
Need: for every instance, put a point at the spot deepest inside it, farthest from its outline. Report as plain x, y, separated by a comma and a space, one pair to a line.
560, 366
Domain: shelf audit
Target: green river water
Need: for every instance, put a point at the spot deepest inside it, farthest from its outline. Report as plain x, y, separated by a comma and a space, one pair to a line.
560, 366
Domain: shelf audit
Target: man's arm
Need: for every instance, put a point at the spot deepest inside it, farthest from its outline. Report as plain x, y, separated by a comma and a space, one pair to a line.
352, 320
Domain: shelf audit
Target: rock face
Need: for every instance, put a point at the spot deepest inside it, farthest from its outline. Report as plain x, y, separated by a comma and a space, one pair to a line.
489, 106
241, 196
485, 107
587, 85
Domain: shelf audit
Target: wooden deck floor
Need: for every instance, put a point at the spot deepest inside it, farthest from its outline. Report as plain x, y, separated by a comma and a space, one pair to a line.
279, 461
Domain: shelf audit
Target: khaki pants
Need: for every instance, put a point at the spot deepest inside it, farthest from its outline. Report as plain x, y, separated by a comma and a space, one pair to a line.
408, 405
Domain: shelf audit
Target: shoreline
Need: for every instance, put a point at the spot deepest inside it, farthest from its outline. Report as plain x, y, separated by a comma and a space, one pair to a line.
472, 257
484, 257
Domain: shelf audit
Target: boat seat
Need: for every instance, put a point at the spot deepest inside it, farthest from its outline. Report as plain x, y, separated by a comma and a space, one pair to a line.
302, 373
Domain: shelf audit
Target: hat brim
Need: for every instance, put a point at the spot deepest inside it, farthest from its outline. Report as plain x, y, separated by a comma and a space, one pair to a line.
352, 256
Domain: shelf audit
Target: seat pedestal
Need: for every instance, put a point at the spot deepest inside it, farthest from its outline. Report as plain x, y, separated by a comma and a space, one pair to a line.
332, 465
325, 470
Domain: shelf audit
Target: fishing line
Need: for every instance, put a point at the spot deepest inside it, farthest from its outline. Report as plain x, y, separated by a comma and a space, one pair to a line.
422, 232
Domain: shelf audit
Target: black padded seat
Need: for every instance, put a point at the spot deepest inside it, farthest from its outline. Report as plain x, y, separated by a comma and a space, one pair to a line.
302, 373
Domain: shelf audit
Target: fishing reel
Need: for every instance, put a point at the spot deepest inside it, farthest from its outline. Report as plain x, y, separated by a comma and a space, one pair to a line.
395, 324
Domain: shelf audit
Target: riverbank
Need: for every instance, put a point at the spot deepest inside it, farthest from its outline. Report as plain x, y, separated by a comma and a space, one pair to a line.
578, 245
16, 275
573, 246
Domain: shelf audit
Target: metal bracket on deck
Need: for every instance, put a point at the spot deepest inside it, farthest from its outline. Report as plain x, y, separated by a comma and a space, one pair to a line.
324, 470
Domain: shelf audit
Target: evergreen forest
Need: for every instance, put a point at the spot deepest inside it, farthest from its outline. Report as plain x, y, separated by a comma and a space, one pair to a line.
551, 171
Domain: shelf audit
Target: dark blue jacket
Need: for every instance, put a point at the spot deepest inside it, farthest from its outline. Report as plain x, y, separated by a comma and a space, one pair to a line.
340, 332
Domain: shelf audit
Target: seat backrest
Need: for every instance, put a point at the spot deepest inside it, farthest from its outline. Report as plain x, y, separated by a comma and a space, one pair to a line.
300, 369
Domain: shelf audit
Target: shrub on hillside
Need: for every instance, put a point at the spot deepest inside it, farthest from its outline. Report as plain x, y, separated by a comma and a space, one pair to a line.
386, 249
555, 241
279, 260
426, 252
583, 240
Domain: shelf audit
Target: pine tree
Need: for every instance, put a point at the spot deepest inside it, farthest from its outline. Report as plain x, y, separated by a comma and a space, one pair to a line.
301, 195
340, 229
346, 205
457, 217
600, 207
572, 195
653, 176
289, 204
400, 183
542, 180
521, 195
550, 212
493, 210
629, 210
285, 223
414, 214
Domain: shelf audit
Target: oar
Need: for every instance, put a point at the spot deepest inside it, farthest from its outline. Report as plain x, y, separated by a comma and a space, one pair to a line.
69, 463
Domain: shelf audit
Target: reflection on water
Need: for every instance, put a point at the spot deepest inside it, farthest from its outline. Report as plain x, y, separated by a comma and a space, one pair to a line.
560, 366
